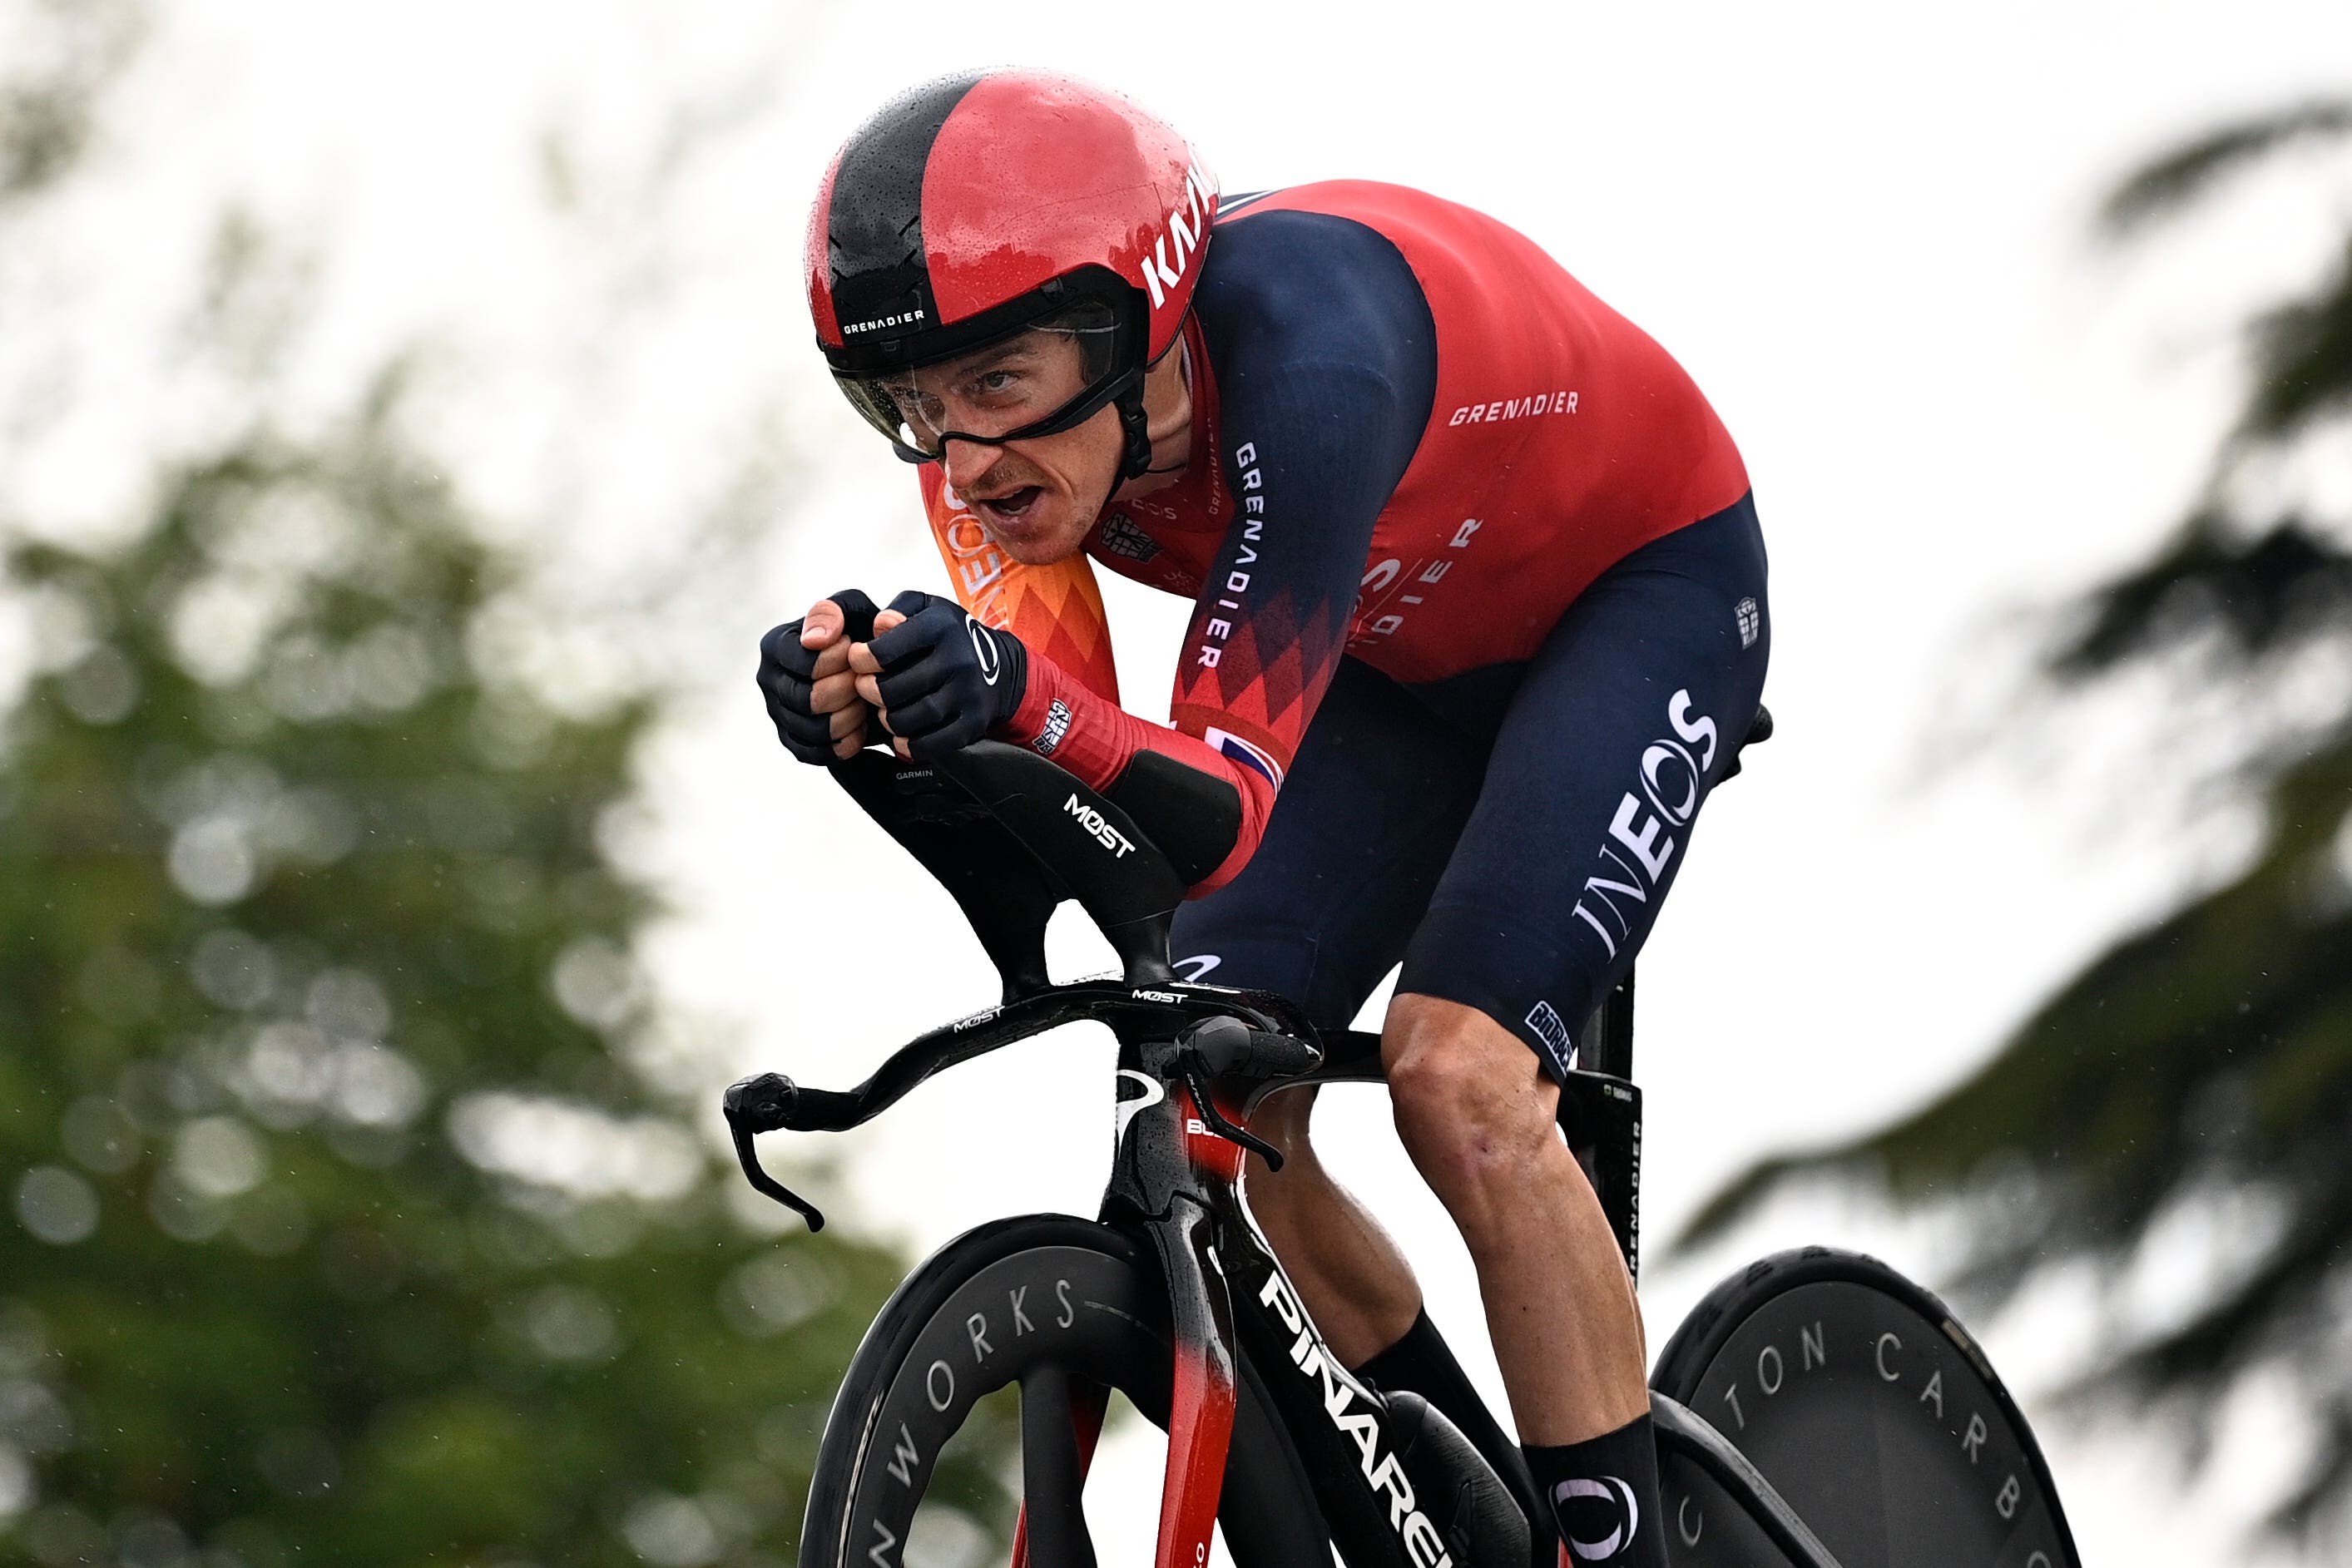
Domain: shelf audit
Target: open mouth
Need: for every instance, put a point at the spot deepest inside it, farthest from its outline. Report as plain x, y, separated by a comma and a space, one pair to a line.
1013, 506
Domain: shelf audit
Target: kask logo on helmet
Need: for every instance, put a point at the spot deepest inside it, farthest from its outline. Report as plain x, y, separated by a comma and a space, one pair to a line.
1187, 225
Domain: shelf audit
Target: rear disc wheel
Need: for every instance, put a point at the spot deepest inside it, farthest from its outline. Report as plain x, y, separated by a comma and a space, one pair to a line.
1870, 1409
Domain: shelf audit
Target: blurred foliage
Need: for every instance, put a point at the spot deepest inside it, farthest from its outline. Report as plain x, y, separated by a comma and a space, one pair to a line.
349, 1222
2189, 1095
358, 1203
60, 55
2159, 189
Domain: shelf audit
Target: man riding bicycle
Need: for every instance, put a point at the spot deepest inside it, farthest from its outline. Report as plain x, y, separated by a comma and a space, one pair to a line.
1480, 617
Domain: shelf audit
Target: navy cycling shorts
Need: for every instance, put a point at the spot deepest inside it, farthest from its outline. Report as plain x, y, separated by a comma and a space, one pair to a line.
1507, 835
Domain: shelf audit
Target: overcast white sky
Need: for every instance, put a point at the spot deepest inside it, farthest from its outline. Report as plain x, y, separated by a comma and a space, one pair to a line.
1863, 229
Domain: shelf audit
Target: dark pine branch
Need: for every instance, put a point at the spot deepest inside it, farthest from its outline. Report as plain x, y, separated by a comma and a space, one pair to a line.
2204, 1063
2259, 593
2162, 188
2302, 359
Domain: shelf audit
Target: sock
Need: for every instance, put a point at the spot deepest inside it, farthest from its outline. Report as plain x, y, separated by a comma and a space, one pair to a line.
1422, 1363
1603, 1494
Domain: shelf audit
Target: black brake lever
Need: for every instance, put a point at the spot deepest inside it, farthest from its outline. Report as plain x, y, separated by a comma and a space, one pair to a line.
1214, 1119
762, 1105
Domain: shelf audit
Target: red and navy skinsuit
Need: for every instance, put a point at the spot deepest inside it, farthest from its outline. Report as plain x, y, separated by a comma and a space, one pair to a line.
1479, 597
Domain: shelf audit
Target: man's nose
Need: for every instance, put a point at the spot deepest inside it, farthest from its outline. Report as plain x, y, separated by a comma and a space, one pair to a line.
969, 461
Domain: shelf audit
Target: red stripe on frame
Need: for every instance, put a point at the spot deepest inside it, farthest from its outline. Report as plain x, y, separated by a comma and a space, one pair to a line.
1200, 1430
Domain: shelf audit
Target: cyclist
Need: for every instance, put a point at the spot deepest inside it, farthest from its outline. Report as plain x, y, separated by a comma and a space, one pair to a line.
1479, 617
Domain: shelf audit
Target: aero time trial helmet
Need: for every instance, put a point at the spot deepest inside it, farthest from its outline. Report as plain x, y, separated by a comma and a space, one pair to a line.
977, 207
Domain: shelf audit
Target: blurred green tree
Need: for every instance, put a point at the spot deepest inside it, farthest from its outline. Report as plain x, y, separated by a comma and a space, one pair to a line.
357, 1201
2201, 1069
352, 1217
60, 57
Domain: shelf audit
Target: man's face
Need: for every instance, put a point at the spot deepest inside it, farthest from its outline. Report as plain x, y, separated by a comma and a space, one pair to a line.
1039, 496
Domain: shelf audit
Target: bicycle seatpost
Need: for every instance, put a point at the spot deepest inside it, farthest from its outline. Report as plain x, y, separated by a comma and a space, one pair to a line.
1607, 1043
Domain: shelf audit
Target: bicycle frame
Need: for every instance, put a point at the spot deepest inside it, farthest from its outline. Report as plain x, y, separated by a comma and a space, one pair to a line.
1176, 1182
1175, 1177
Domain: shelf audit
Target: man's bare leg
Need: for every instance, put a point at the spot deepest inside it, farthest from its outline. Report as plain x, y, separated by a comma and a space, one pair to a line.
1359, 1289
1476, 1113
1477, 1116
1354, 1283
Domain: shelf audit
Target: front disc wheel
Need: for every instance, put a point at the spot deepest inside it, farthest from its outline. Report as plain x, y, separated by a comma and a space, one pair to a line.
1066, 1311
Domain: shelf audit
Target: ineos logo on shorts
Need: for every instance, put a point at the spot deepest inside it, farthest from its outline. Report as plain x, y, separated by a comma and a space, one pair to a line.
1672, 775
991, 657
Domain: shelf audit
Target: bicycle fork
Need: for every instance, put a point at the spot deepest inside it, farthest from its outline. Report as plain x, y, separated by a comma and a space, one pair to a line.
1166, 1149
1169, 1166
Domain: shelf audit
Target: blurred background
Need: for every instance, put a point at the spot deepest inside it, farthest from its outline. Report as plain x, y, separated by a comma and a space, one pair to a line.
409, 423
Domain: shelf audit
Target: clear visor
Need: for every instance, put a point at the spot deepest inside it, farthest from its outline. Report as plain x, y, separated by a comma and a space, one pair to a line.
1040, 380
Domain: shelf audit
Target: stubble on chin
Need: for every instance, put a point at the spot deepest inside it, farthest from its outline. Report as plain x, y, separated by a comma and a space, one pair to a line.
1047, 548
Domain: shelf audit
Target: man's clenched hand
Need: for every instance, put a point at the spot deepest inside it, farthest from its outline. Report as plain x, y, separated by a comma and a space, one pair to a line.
938, 679
804, 672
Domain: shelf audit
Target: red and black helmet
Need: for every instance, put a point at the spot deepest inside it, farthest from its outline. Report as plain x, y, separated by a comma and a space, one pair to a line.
976, 206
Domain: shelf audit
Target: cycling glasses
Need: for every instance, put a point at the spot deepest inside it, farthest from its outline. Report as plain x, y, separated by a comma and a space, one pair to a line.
1040, 380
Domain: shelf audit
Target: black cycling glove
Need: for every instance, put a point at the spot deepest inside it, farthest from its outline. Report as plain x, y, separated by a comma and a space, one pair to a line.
946, 680
786, 669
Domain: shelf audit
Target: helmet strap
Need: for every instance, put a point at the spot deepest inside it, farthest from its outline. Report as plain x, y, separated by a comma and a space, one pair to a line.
1136, 461
1135, 443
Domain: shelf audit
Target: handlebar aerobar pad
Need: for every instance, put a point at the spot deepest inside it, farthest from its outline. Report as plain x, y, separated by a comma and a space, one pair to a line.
1011, 834
1086, 841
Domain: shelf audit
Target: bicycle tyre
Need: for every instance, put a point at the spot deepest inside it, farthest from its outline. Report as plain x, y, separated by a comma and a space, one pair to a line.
1870, 1409
1046, 1290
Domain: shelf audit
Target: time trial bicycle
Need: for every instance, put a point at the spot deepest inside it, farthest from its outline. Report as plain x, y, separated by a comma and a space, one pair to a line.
1815, 1410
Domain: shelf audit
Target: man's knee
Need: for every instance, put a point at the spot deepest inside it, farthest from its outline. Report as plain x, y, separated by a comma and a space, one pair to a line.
1472, 1106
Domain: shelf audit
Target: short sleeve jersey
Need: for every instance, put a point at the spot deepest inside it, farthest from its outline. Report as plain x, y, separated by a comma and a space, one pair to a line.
1416, 441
